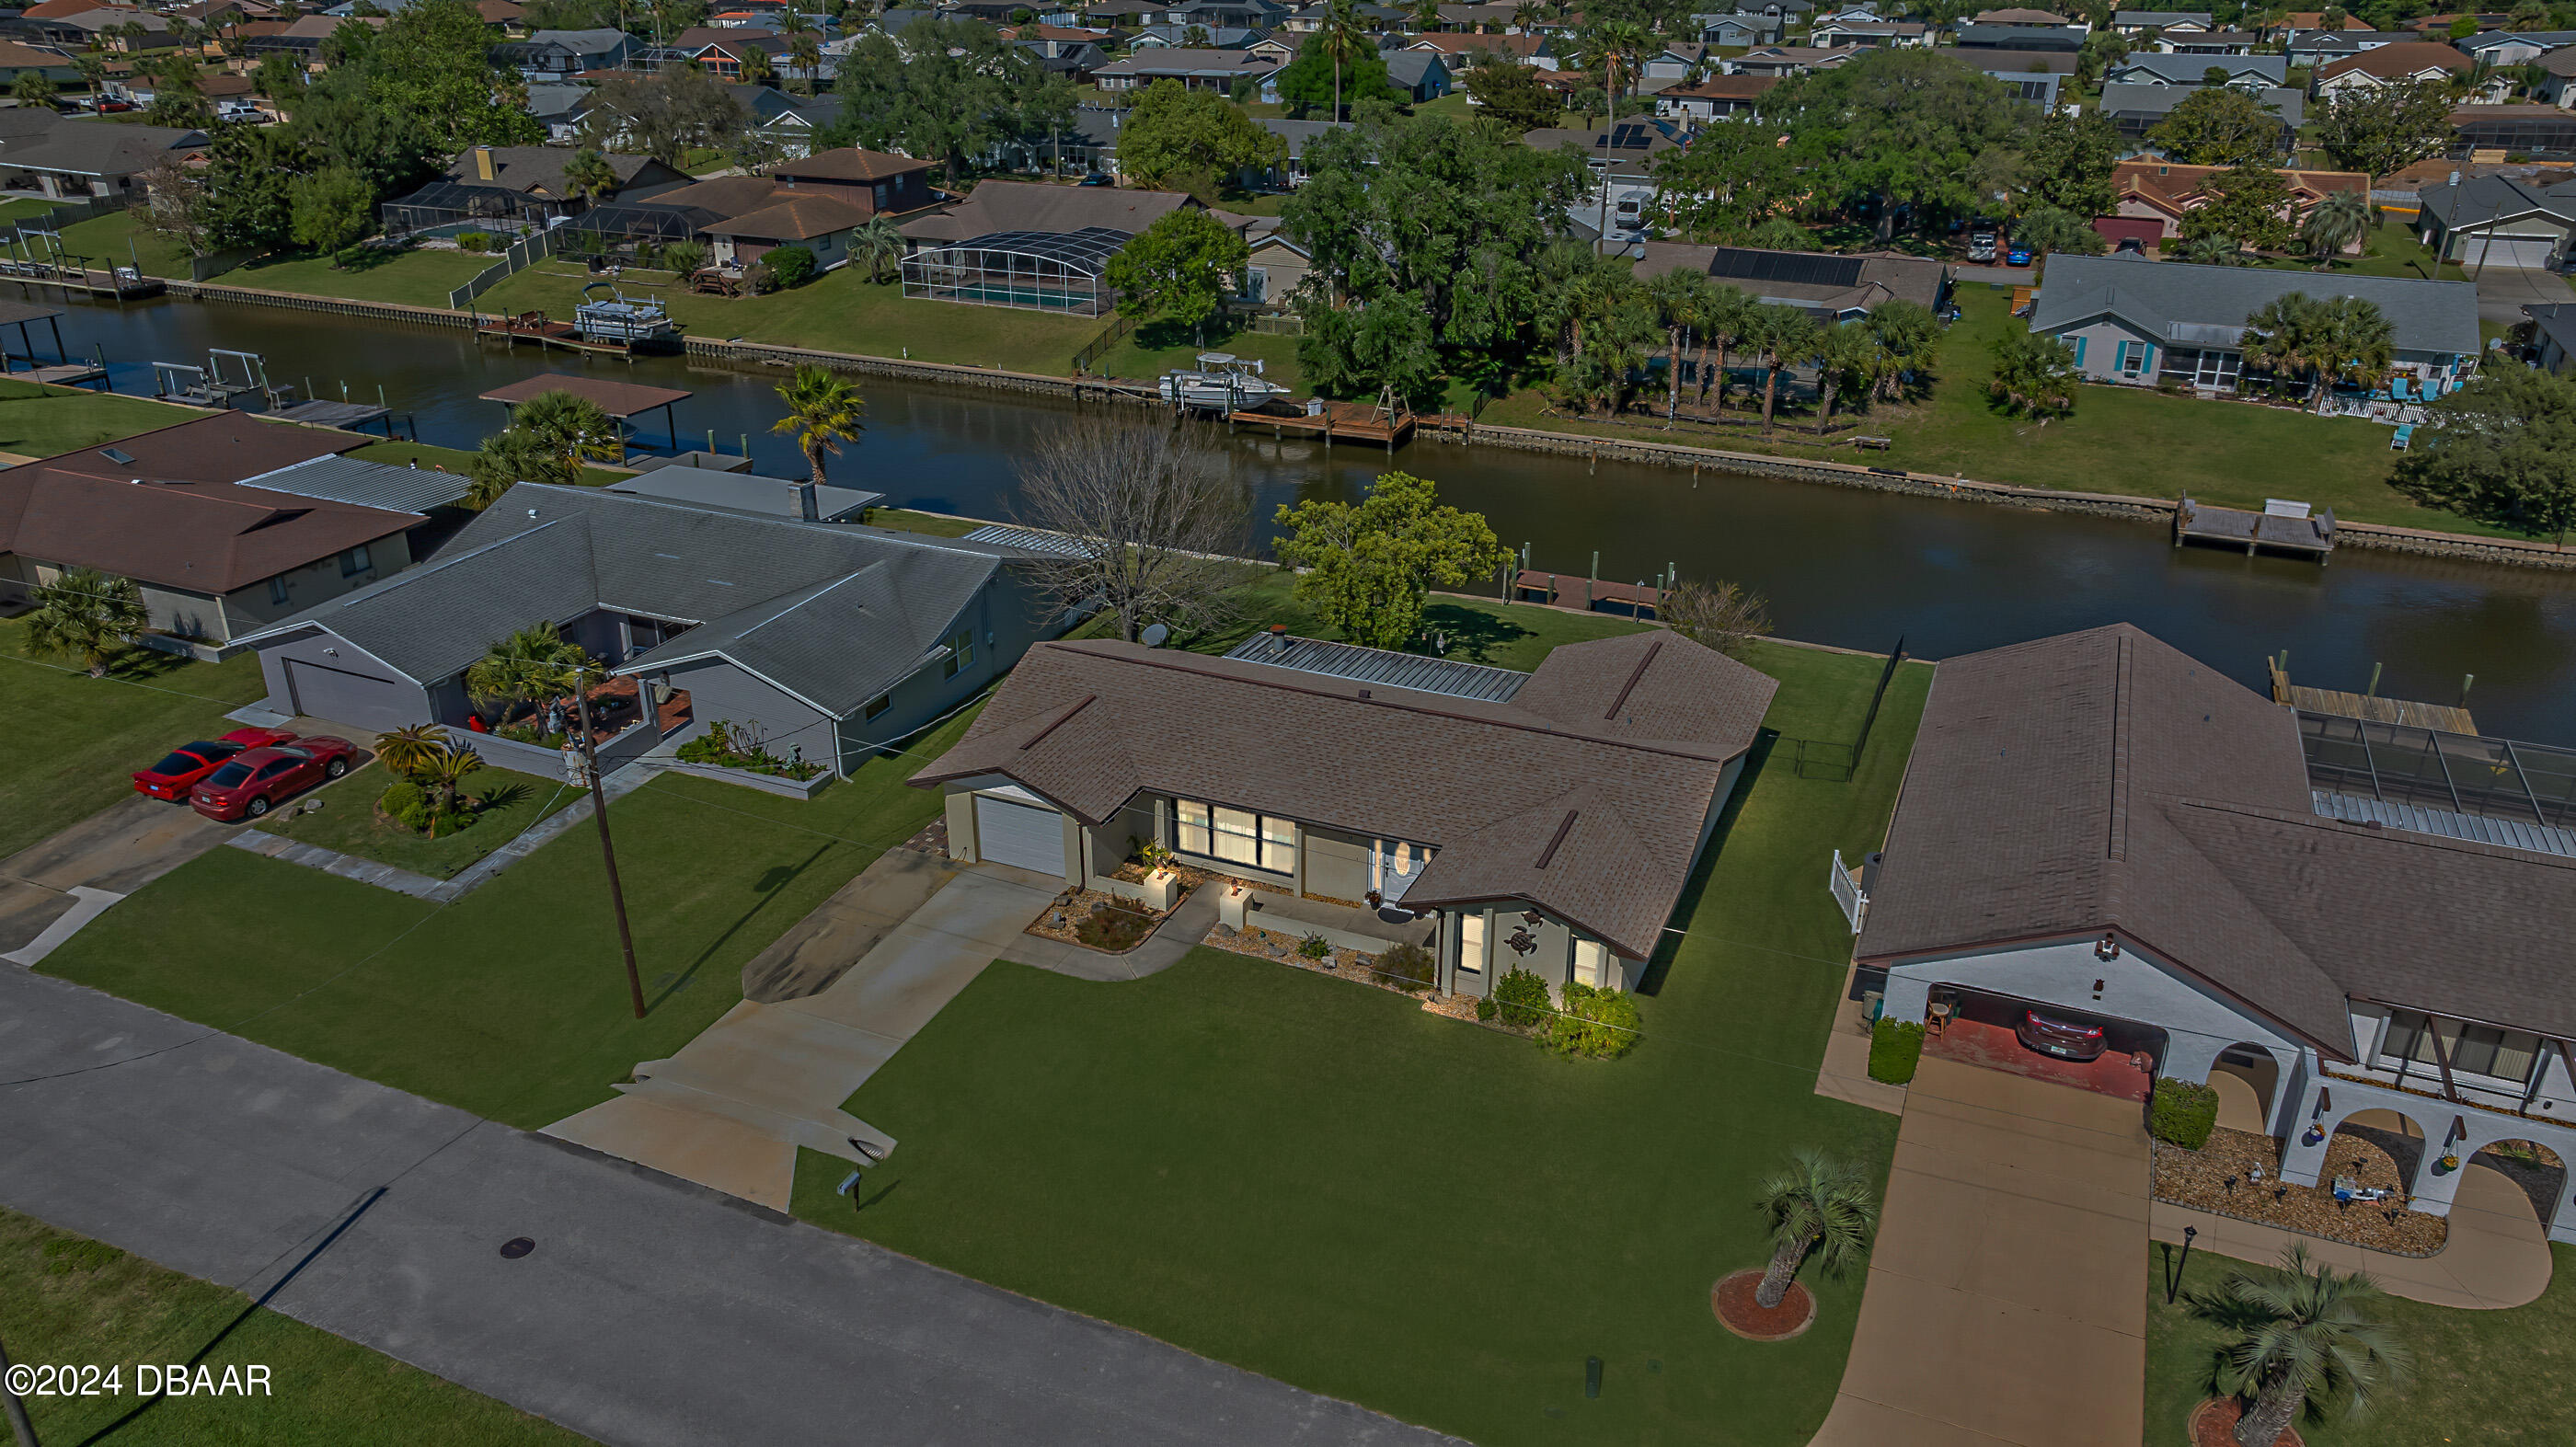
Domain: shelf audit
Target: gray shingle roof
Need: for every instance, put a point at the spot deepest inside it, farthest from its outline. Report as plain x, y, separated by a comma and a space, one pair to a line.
2146, 98
366, 484
2155, 296
1618, 745
831, 612
2481, 200
2104, 780
2188, 69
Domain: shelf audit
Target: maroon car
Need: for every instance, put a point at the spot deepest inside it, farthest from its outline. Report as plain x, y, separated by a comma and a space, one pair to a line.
2065, 1039
251, 783
182, 767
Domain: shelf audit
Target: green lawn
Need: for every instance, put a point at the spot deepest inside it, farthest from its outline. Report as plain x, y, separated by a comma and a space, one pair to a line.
510, 1003
1480, 630
2129, 440
2489, 1378
40, 421
74, 741
350, 823
67, 1299
923, 523
2393, 251
417, 277
114, 240
1323, 1183
23, 207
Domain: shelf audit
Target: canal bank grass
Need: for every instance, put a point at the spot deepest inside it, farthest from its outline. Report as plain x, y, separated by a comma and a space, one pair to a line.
1326, 1184
507, 803
40, 421
2482, 1378
1479, 630
414, 277
74, 742
67, 1299
2128, 440
512, 1001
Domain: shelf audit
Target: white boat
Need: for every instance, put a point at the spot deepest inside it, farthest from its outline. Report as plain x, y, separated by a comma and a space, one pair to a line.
1222, 382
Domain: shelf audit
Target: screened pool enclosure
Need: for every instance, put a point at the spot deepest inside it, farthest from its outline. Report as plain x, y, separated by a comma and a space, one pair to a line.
1057, 271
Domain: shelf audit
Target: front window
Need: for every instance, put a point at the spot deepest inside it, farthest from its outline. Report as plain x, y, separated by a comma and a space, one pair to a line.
2482, 1050
1592, 964
1235, 836
1471, 943
961, 653
355, 561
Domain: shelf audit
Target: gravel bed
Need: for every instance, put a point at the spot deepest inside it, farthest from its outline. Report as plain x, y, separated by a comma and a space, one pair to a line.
2199, 1179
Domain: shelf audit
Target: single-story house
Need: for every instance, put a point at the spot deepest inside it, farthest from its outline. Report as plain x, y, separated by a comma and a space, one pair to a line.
1025, 244
2210, 42
745, 492
2027, 20
18, 58
1677, 60
1716, 98
1788, 60
829, 639
2138, 22
1622, 754
2032, 75
2481, 221
2387, 65
1075, 60
1463, 52
83, 157
303, 36
1745, 28
2007, 37
725, 53
1836, 287
2553, 331
2310, 50
1420, 74
1623, 192
222, 521
1218, 70
1210, 37
813, 201
1290, 172
560, 109
2517, 130
2139, 108
2558, 78
2143, 322
1277, 266
2102, 828
521, 185
2514, 47
565, 52
2151, 68
2164, 192
1872, 33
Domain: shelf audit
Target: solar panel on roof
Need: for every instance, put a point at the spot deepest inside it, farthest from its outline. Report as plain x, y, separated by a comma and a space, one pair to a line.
1798, 268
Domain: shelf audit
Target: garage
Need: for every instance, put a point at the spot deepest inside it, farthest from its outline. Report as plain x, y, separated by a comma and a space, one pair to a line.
1984, 1028
1016, 827
362, 700
2522, 253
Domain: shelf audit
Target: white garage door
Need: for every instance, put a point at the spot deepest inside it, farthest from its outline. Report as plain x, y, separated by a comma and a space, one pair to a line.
1027, 835
2528, 253
360, 699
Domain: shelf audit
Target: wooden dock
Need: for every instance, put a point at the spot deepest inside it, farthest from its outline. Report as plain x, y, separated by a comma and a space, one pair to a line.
1591, 595
2286, 527
75, 278
2369, 707
1367, 422
539, 329
59, 374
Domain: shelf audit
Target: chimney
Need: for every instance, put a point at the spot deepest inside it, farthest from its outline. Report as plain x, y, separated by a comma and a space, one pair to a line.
483, 164
806, 507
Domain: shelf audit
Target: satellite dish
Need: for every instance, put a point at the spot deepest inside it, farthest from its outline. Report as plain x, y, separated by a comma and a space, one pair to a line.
1154, 635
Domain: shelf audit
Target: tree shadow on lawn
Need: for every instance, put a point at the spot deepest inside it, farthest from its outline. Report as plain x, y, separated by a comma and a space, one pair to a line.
1472, 633
772, 883
142, 665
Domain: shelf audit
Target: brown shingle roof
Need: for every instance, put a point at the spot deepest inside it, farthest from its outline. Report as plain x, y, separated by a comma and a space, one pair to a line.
794, 216
2104, 780
1030, 206
2404, 58
1617, 746
849, 163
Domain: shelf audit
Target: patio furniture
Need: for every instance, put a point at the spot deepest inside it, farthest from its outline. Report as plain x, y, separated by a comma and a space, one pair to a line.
2403, 438
2397, 388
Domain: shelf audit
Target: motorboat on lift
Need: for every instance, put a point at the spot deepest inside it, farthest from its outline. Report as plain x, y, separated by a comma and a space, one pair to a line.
1222, 382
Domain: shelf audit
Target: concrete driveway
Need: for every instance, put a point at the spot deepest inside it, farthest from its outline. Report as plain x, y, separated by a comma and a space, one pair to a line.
2503, 290
48, 890
2004, 1302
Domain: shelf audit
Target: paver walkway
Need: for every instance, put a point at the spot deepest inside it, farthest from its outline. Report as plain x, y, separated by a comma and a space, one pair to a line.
651, 1312
2003, 1303
2497, 1255
730, 1108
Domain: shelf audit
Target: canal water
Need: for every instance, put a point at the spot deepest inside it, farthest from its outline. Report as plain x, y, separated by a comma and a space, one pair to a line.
1840, 566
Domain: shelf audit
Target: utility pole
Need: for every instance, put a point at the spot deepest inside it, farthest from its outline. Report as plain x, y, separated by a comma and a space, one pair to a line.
19, 1426
608, 850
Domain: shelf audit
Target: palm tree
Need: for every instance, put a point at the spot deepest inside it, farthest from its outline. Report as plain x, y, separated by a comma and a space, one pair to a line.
88, 615
590, 176
2035, 374
1819, 1207
411, 749
823, 411
32, 89
2213, 250
2047, 228
444, 773
1730, 311
1613, 41
1526, 16
2276, 333
1847, 357
575, 428
2306, 1339
537, 662
2354, 342
1343, 38
510, 457
1909, 338
1781, 335
880, 244
2334, 223
1682, 299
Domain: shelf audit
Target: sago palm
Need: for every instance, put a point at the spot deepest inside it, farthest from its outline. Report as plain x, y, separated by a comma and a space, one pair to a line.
880, 245
823, 411
411, 749
533, 663
1817, 1207
2305, 1339
2336, 222
88, 615
445, 773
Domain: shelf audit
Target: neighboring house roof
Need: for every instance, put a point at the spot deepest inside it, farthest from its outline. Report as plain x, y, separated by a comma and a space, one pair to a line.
539, 170
17, 55
1523, 46
2018, 17
1586, 794
2392, 62
2012, 37
849, 163
2188, 69
2481, 201
1182, 61
582, 42
1817, 280
722, 195
1631, 141
2499, 39
102, 148
176, 515
2208, 305
793, 216
2160, 19
1410, 69
2556, 320
358, 483
2155, 102
1722, 87
558, 102
2024, 62
995, 206
2561, 63
2104, 780
1774, 57
832, 613
1300, 134
746, 492
2177, 188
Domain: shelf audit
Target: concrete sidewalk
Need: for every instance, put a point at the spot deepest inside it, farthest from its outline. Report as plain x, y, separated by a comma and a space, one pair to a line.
112, 853
651, 1312
2004, 1302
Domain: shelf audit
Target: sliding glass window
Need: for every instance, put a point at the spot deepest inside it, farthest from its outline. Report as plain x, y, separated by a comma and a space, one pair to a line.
1235, 836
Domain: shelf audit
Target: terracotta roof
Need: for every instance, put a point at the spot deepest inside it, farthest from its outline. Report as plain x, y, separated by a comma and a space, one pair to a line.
57, 9
2175, 188
1586, 794
17, 55
2404, 58
723, 195
174, 514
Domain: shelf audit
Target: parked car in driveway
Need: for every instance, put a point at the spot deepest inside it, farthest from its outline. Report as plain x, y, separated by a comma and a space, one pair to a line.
181, 768
257, 780
2065, 1039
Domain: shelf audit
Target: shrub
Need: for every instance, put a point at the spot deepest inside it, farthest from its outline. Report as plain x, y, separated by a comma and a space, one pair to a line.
1895, 1047
1598, 1024
2182, 1113
1109, 927
476, 242
1408, 968
1485, 1008
406, 803
1522, 999
789, 266
1315, 947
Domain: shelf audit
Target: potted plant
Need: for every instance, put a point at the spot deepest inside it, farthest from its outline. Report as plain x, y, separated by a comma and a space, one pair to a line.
2449, 1162
1162, 882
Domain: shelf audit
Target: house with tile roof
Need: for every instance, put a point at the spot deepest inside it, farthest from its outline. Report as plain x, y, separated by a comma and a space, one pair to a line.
2164, 192
1547, 821
2307, 912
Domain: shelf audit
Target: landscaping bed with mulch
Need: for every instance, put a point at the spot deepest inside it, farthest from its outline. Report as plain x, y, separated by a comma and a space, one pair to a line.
2214, 1425
2219, 1178
1097, 921
1734, 1298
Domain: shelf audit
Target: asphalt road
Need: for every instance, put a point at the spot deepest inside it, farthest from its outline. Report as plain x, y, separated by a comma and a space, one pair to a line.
651, 1310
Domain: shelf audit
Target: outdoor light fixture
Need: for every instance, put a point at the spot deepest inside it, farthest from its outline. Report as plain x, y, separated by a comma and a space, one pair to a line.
2107, 948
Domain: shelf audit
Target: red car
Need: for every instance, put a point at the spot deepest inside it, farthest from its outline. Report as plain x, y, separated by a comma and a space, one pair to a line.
250, 783
185, 765
2065, 1039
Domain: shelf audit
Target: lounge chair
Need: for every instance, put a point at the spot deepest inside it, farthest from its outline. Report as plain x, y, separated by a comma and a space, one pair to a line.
2403, 438
2397, 389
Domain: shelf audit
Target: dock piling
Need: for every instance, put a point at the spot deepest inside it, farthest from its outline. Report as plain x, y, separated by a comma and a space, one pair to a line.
2373, 690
